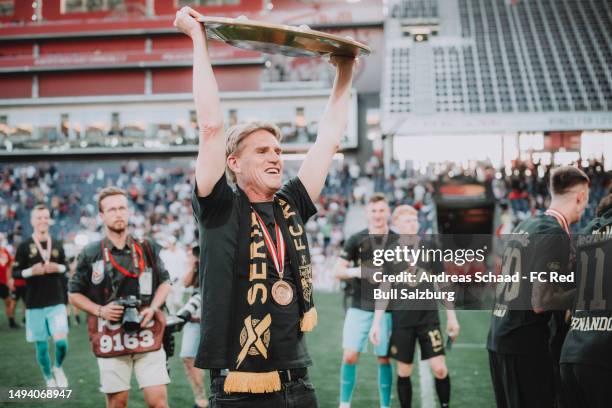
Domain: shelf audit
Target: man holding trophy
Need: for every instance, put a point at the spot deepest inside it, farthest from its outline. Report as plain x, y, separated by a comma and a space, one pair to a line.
256, 276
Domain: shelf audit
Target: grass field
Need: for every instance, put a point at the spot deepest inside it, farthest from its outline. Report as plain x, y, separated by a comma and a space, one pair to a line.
467, 361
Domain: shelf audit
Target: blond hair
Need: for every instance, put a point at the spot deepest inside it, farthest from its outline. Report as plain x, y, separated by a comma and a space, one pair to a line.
238, 133
403, 210
107, 192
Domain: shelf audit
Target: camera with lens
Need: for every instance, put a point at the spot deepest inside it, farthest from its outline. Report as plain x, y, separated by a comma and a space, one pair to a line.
131, 318
191, 309
175, 323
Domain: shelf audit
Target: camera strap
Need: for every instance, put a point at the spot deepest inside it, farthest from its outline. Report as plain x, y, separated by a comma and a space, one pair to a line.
136, 254
111, 266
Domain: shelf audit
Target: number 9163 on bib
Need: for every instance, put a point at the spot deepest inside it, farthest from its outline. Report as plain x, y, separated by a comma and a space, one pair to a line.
108, 339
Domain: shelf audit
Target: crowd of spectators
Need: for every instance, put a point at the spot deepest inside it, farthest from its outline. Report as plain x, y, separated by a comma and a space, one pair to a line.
520, 190
525, 189
160, 193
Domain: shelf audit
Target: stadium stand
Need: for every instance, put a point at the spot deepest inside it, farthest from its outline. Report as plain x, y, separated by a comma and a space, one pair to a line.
415, 9
518, 56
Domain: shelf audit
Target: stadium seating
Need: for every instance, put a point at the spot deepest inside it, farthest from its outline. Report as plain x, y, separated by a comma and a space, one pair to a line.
415, 9
509, 56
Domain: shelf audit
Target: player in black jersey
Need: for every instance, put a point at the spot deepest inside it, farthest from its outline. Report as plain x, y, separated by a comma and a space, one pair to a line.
586, 357
421, 323
41, 261
358, 320
520, 358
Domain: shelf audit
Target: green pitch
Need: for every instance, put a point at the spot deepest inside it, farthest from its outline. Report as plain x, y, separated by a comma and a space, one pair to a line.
467, 361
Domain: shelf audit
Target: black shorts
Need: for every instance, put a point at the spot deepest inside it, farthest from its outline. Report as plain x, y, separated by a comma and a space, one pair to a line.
586, 385
521, 381
403, 342
19, 293
4, 291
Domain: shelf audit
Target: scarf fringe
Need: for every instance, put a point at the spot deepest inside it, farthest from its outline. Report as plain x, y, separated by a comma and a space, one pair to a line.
309, 320
256, 383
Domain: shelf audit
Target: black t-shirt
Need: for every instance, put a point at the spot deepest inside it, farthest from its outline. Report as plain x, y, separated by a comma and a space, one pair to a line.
589, 340
218, 219
538, 244
43, 290
420, 312
358, 250
102, 283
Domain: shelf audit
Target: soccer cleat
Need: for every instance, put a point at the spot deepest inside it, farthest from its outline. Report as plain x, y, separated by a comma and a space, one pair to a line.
60, 377
51, 383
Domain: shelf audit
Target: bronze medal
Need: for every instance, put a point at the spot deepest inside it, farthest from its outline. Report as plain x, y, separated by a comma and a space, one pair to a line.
282, 293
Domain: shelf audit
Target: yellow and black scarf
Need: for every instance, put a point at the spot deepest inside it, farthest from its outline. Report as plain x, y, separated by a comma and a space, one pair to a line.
252, 371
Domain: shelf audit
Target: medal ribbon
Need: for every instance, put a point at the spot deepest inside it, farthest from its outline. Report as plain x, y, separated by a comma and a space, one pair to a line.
45, 255
560, 219
276, 252
137, 259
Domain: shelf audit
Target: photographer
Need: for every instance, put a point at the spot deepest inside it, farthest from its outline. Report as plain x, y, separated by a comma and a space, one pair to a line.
122, 283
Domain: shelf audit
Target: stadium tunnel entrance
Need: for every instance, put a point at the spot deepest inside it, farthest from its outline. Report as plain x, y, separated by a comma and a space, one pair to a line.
465, 211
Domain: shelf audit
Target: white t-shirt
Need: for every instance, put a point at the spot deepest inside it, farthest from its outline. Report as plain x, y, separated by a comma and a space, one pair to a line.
176, 262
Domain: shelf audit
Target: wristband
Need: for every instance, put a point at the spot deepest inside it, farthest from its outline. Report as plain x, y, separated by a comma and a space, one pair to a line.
99, 311
61, 268
354, 272
26, 273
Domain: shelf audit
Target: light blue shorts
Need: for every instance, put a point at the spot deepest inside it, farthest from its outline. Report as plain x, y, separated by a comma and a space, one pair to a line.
45, 322
191, 340
357, 324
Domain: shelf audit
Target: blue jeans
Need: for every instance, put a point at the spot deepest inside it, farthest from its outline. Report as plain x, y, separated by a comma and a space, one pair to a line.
299, 393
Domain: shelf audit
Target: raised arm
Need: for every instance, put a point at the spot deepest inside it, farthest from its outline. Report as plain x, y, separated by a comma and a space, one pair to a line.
316, 165
210, 164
